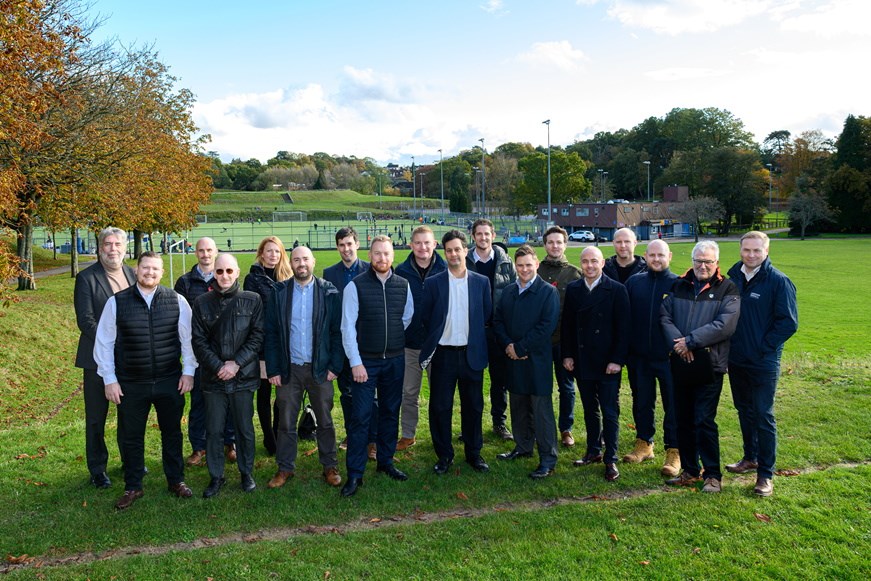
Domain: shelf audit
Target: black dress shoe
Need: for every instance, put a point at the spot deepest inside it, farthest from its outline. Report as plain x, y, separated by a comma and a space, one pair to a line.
101, 480
611, 472
478, 464
393, 472
442, 466
588, 459
514, 454
541, 472
248, 484
351, 486
214, 487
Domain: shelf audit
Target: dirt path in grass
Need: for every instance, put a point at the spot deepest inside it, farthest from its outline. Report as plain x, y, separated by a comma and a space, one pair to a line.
365, 523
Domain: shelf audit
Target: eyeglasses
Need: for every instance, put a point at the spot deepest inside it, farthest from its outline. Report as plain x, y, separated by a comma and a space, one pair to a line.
704, 262
220, 271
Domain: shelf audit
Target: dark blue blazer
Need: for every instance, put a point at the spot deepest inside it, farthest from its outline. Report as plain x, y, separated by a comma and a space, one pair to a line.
336, 273
435, 311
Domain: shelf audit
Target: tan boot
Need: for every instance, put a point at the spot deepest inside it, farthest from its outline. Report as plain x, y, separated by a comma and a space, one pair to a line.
643, 451
671, 467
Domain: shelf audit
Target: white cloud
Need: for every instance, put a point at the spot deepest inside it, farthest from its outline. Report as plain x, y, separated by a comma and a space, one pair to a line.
684, 73
675, 17
492, 6
832, 19
559, 54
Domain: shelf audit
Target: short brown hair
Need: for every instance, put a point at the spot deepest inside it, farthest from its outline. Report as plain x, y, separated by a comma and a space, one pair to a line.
482, 222
524, 250
454, 235
381, 238
346, 231
422, 230
758, 235
556, 230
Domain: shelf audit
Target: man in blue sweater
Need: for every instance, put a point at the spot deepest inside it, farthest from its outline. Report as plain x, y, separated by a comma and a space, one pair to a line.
769, 317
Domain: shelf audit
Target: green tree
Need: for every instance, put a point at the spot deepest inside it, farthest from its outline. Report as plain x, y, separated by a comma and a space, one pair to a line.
806, 209
568, 181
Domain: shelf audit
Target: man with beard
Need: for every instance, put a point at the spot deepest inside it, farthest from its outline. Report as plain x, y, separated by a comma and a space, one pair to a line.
94, 286
227, 330
304, 354
144, 355
377, 307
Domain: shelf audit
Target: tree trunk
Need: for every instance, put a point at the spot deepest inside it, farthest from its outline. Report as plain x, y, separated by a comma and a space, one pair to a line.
137, 243
74, 252
24, 251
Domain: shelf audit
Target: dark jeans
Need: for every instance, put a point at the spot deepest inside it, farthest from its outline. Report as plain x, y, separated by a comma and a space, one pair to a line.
96, 410
222, 407
289, 399
344, 382
449, 370
267, 414
698, 436
565, 384
532, 421
601, 401
643, 375
385, 380
753, 395
133, 418
197, 419
498, 371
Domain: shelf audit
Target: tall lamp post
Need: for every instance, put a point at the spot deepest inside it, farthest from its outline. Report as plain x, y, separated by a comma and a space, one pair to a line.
442, 170
483, 181
413, 188
768, 165
647, 163
549, 208
604, 177
422, 205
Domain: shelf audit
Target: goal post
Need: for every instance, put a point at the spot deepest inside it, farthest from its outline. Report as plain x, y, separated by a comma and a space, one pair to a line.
289, 217
367, 216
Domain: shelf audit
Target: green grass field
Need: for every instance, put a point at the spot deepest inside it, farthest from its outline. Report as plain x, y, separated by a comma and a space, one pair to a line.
464, 525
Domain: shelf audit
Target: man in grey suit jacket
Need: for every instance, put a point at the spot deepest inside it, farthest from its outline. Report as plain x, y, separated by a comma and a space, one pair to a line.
93, 288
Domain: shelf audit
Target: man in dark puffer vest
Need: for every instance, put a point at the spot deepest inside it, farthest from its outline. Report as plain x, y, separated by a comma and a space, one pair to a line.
376, 309
144, 355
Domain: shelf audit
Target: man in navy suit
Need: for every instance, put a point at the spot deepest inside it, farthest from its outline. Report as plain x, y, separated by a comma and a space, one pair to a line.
93, 288
456, 305
340, 274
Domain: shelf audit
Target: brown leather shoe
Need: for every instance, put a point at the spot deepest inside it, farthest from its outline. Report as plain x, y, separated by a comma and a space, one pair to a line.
568, 439
181, 490
742, 467
405, 443
128, 498
230, 451
373, 452
279, 479
611, 472
685, 479
331, 475
197, 458
588, 459
764, 487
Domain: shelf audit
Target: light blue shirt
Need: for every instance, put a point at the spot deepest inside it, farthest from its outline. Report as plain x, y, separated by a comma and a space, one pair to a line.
350, 310
301, 323
523, 287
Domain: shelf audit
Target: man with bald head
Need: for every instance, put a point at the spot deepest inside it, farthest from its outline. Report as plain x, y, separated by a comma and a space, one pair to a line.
625, 262
227, 333
192, 284
304, 354
648, 359
594, 342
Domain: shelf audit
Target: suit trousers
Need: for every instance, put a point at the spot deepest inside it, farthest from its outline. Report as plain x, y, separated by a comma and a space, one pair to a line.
267, 414
345, 381
697, 431
450, 370
288, 397
409, 413
133, 413
565, 384
601, 401
498, 371
96, 410
221, 408
197, 419
753, 395
643, 375
532, 421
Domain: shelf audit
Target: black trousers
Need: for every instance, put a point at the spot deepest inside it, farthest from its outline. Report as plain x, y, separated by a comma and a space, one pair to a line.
133, 419
449, 369
267, 413
96, 410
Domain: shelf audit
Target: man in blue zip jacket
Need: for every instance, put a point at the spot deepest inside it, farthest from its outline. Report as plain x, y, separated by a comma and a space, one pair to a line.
769, 317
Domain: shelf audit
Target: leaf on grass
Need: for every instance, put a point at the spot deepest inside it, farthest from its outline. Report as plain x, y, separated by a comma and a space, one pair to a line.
788, 472
644, 562
22, 457
762, 517
310, 452
697, 550
85, 504
376, 519
327, 574
25, 558
462, 496
630, 426
613, 537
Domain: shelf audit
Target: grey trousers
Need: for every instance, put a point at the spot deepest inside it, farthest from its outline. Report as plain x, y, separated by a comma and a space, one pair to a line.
532, 421
409, 411
288, 397
240, 405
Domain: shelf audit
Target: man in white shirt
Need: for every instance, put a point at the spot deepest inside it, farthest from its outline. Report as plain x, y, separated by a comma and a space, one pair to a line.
144, 355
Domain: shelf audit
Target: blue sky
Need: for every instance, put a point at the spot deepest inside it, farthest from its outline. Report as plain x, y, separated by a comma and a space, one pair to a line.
391, 79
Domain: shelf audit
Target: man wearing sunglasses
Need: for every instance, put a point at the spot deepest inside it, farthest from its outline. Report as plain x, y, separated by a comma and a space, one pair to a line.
227, 332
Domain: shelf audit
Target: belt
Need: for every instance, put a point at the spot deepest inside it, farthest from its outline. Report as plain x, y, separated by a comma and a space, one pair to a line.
453, 347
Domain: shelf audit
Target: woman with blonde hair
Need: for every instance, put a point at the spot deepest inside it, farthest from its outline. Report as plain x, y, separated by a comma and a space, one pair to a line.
271, 266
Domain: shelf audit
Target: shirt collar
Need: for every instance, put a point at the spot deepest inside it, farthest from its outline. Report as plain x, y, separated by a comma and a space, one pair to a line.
477, 258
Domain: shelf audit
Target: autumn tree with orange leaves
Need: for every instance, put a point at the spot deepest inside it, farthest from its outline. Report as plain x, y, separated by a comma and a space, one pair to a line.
100, 136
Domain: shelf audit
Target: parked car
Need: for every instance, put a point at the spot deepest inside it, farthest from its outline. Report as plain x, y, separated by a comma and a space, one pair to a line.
582, 236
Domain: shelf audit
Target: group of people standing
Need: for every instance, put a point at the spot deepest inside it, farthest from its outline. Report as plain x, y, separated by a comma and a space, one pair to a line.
374, 329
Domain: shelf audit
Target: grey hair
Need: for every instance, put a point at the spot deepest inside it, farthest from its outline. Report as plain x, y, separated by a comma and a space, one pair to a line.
704, 246
111, 231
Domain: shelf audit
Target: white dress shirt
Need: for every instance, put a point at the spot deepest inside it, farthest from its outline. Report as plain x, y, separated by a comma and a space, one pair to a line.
456, 333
